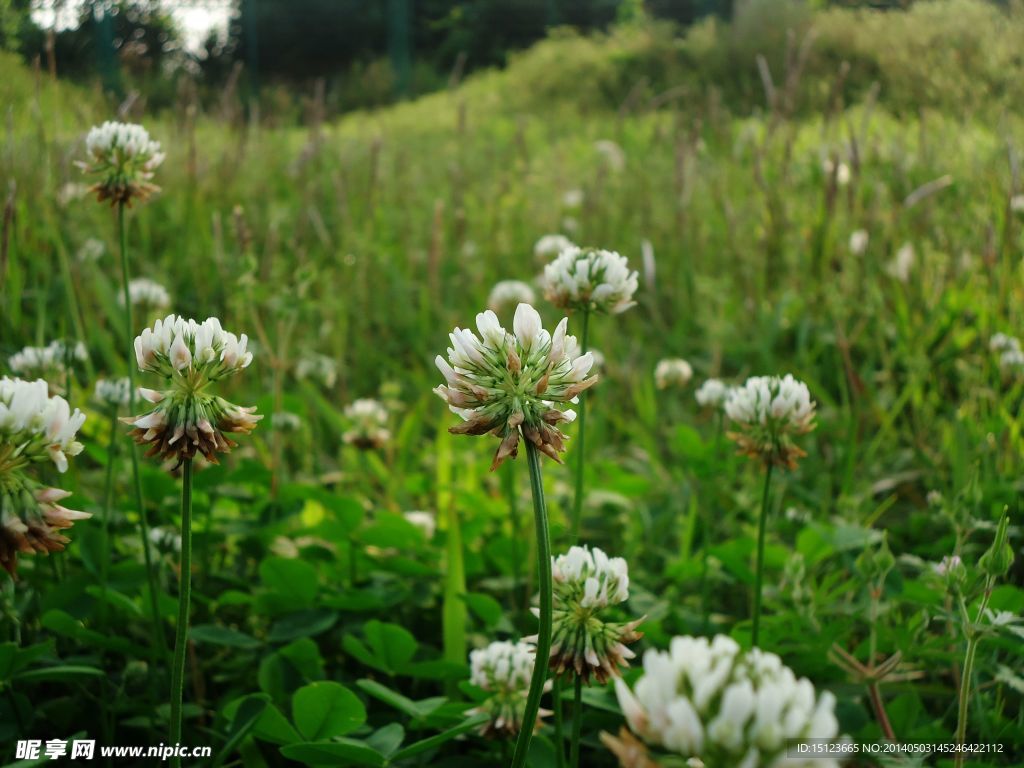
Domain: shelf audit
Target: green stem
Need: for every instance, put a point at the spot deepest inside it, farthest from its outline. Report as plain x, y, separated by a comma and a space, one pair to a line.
108, 493
759, 570
540, 668
577, 505
577, 723
160, 644
184, 596
973, 637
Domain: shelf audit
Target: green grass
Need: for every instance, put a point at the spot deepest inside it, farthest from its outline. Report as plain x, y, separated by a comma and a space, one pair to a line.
367, 242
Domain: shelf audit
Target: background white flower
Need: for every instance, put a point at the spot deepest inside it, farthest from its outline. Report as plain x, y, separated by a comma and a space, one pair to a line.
672, 372
510, 293
367, 421
711, 394
590, 279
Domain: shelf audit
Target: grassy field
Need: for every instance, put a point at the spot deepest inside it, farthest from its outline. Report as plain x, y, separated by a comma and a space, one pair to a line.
365, 240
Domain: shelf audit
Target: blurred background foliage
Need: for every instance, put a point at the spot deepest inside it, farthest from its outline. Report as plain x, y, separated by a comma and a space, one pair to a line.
954, 54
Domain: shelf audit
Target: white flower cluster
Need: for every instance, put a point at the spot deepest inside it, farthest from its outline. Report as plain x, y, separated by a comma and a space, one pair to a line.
285, 421
602, 580
502, 666
858, 242
318, 367
902, 264
34, 426
764, 399
176, 344
91, 251
367, 424
551, 245
509, 293
1011, 357
768, 412
49, 362
188, 417
711, 394
672, 372
503, 382
611, 153
113, 392
147, 293
125, 157
712, 701
590, 279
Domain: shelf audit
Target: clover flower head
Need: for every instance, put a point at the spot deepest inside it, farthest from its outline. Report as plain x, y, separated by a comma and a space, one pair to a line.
31, 520
503, 669
1001, 342
713, 701
113, 393
672, 372
125, 158
91, 251
285, 421
367, 424
509, 293
611, 153
188, 417
1011, 361
590, 279
586, 583
425, 521
551, 245
143, 292
768, 412
512, 384
49, 362
318, 367
711, 394
573, 198
35, 427
858, 242
903, 263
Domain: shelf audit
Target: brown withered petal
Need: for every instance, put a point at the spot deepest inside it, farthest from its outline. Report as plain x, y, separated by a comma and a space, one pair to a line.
632, 752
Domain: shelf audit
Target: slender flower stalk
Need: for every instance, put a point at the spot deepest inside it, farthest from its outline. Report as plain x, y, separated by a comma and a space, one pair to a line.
768, 413
184, 598
540, 670
160, 645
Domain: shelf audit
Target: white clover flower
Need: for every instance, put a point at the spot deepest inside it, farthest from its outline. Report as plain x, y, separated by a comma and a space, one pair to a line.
948, 565
672, 372
573, 198
509, 293
509, 384
768, 412
165, 538
49, 362
367, 424
551, 245
70, 192
503, 669
590, 280
1017, 203
934, 498
425, 521
858, 241
113, 393
711, 394
570, 225
188, 418
903, 264
319, 367
285, 421
1000, 342
143, 292
1011, 361
91, 251
125, 158
35, 428
611, 153
586, 582
727, 707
